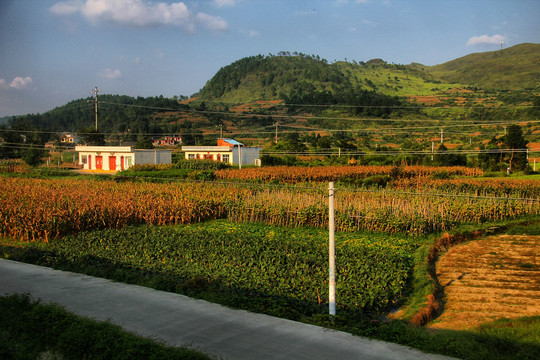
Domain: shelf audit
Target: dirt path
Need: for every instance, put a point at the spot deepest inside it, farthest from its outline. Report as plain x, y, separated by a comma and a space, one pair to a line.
488, 279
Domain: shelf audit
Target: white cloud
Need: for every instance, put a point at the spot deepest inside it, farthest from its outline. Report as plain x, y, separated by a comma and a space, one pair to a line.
369, 24
485, 39
66, 7
139, 13
223, 3
249, 33
18, 83
110, 74
214, 23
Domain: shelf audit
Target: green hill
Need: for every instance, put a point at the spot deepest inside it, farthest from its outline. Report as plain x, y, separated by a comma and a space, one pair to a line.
278, 77
270, 77
299, 80
514, 68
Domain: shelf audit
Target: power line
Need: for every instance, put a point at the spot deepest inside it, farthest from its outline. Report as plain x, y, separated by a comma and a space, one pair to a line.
408, 106
335, 152
244, 115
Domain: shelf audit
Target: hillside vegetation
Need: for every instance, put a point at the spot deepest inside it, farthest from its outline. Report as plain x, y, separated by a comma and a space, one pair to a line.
514, 68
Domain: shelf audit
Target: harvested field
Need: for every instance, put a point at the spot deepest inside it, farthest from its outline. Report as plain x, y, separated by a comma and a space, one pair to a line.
488, 279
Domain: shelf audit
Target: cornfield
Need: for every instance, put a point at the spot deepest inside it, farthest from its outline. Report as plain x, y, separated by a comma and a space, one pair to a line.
297, 174
38, 209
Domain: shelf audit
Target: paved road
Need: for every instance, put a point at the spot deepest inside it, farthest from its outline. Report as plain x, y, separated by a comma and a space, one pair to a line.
179, 320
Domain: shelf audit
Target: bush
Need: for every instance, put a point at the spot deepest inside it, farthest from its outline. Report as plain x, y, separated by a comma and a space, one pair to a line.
376, 181
200, 165
204, 175
440, 175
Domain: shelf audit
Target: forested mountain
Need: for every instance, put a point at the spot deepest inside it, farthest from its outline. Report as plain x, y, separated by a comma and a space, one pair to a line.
295, 78
285, 75
116, 114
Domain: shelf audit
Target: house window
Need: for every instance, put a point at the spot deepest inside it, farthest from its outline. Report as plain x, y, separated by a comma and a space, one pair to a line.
191, 156
226, 158
207, 156
84, 159
128, 161
198, 156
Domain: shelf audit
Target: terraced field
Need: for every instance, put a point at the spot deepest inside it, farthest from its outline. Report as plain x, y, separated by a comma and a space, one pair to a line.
488, 279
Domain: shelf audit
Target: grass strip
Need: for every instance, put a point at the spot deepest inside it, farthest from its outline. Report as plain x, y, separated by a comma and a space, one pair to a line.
34, 330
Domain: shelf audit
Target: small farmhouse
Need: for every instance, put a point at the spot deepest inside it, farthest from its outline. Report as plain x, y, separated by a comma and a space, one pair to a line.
227, 150
168, 141
118, 158
68, 139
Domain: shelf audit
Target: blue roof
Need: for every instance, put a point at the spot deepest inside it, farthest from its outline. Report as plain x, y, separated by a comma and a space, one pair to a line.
233, 142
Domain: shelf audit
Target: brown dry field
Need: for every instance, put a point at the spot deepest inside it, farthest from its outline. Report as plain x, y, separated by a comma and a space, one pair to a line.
488, 279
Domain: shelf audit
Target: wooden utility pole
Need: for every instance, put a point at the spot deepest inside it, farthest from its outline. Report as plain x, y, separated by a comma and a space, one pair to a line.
95, 92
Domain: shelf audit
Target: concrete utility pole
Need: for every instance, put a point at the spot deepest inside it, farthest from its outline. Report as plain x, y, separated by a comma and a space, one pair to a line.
221, 131
240, 157
442, 135
331, 252
95, 92
276, 125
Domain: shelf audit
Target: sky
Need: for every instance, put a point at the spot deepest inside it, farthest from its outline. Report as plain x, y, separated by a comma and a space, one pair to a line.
55, 51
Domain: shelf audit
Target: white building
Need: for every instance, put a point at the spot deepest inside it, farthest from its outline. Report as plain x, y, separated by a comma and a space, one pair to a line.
118, 158
228, 151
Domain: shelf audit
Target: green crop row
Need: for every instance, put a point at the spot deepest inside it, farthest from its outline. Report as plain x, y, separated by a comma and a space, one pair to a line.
268, 266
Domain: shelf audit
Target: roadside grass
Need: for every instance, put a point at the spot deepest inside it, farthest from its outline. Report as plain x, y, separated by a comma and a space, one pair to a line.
34, 330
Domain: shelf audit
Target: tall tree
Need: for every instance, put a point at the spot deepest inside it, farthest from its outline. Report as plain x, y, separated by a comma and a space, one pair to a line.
515, 141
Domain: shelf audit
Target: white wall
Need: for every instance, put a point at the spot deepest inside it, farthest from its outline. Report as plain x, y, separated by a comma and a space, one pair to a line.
248, 155
153, 157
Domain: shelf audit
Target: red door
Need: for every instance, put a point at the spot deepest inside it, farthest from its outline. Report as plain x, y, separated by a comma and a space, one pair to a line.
112, 163
99, 162
90, 162
122, 162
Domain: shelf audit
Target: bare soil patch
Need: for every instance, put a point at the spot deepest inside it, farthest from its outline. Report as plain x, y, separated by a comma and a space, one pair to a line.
484, 280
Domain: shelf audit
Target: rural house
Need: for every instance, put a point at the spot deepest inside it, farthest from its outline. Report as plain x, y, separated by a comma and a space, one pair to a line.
168, 141
69, 139
227, 150
118, 158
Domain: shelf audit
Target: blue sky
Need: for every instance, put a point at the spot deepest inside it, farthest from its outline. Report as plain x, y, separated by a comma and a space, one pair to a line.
54, 51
